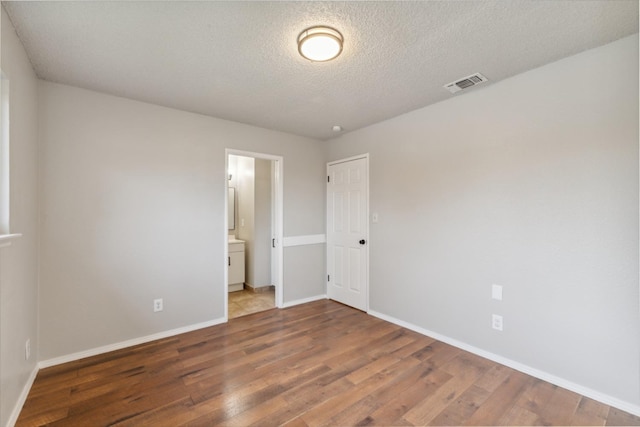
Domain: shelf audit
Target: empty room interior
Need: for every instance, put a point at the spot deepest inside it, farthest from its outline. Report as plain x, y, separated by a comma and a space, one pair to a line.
319, 213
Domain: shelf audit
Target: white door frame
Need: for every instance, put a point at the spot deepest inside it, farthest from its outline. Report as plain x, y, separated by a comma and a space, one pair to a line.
278, 221
364, 156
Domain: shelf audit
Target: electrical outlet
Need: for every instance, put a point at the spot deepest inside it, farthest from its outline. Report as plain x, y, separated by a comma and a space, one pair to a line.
27, 350
157, 305
496, 322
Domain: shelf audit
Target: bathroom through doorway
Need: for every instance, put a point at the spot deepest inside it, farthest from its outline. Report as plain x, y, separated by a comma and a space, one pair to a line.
254, 218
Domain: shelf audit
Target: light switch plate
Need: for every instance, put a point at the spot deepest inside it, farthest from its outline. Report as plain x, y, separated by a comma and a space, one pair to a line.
496, 292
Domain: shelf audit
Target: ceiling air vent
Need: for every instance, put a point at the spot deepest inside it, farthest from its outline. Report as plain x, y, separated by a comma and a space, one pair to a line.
469, 81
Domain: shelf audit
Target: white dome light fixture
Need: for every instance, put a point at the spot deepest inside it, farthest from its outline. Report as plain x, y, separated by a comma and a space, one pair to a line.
320, 44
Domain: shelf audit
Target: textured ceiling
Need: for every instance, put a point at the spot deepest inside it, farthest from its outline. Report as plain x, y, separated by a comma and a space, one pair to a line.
239, 60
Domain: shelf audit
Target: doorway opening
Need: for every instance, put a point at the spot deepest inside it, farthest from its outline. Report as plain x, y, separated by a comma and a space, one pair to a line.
253, 227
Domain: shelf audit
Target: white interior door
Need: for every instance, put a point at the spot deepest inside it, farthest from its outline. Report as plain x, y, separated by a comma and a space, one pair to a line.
348, 232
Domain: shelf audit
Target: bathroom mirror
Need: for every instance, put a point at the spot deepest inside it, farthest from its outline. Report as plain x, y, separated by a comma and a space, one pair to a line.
231, 205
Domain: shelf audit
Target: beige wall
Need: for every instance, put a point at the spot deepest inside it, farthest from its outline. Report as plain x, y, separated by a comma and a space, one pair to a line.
133, 209
18, 262
530, 183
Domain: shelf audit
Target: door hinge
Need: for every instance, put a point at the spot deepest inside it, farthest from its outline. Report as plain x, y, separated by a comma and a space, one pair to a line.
328, 278
328, 179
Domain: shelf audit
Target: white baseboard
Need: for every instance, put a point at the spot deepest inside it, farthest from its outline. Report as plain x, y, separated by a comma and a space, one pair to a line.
303, 301
22, 398
545, 376
124, 344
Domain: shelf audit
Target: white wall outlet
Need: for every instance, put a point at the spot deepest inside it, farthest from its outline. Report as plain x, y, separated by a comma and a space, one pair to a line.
496, 292
27, 350
157, 305
496, 322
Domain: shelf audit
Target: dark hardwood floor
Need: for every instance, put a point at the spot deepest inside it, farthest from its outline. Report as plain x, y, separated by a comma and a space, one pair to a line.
315, 364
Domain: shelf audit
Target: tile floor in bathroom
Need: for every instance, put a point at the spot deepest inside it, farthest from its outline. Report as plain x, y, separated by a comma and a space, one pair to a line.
247, 301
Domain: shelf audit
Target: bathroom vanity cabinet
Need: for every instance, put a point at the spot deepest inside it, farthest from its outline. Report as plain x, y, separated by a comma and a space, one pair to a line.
236, 265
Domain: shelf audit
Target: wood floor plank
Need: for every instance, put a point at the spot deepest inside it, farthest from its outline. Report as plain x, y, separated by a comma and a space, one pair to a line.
256, 413
51, 403
617, 417
310, 388
296, 407
437, 353
560, 409
590, 412
288, 367
44, 418
399, 340
376, 365
519, 416
177, 410
347, 406
461, 410
296, 423
465, 374
500, 401
45, 382
405, 394
320, 363
224, 406
494, 377
419, 342
123, 408
536, 396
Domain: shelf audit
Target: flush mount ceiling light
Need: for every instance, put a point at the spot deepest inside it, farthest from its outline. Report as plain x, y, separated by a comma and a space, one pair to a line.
320, 44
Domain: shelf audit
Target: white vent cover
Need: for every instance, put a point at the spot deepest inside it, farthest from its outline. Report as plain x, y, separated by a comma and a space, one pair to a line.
469, 81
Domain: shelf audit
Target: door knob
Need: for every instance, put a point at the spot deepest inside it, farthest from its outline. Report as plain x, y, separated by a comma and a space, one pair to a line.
362, 242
